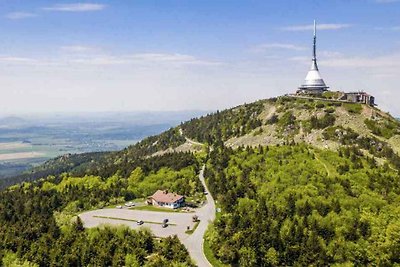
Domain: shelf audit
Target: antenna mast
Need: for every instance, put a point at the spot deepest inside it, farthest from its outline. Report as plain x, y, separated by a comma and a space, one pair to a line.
315, 42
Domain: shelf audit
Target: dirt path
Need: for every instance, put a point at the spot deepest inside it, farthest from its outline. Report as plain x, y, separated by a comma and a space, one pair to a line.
323, 163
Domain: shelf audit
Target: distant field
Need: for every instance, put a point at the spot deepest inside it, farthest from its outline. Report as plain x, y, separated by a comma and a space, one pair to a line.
21, 155
12, 145
30, 141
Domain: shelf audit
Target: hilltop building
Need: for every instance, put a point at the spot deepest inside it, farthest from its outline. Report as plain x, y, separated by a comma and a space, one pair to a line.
163, 198
313, 83
359, 97
314, 86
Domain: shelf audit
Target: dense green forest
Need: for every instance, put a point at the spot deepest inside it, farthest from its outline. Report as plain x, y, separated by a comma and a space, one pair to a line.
225, 124
38, 223
298, 205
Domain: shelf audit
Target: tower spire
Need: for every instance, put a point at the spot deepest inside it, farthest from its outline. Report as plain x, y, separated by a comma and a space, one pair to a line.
315, 42
313, 83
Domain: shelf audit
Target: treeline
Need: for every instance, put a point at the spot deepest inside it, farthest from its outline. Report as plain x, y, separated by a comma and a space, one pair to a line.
35, 218
291, 206
56, 166
224, 124
374, 146
30, 234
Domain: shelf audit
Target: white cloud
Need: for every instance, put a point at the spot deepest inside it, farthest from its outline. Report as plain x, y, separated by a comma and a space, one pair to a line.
75, 7
172, 58
387, 61
20, 15
79, 48
319, 27
264, 47
147, 59
82, 55
16, 60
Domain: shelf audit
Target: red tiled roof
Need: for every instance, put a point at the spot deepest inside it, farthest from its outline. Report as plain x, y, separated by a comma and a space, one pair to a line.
164, 196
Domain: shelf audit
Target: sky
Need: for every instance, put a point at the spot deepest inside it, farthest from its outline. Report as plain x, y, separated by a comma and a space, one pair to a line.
91, 56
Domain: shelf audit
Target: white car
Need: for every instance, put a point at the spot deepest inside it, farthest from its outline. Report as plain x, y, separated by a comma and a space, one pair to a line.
119, 207
130, 204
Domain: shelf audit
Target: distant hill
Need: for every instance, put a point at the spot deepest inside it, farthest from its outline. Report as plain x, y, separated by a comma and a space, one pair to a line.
264, 122
11, 121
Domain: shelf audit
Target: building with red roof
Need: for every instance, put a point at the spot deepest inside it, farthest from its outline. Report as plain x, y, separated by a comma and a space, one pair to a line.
163, 198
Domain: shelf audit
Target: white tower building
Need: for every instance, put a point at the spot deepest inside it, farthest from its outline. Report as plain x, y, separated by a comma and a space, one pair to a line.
313, 84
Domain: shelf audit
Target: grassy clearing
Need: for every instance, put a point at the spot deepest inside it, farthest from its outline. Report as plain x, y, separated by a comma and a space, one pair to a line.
191, 231
129, 220
353, 107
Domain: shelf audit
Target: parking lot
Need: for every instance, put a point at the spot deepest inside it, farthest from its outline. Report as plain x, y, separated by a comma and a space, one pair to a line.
177, 222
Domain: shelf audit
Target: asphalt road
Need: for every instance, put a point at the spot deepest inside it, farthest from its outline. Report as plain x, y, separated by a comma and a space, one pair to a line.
194, 242
178, 223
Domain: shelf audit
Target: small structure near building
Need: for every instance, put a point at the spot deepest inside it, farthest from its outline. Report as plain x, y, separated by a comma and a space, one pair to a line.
163, 198
359, 97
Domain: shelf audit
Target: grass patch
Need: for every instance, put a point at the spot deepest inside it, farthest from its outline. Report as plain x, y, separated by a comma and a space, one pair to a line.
210, 256
353, 107
191, 231
129, 220
153, 208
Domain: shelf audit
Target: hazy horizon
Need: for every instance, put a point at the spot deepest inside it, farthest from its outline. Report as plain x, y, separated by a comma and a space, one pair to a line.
119, 56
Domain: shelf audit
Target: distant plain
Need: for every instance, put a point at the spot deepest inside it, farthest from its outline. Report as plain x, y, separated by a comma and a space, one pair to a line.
27, 141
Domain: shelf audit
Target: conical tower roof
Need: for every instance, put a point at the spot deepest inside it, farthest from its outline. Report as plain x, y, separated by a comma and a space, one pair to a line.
313, 80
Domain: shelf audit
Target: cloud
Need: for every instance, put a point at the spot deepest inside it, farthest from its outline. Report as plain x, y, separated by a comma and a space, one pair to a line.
75, 7
20, 15
16, 60
387, 61
79, 49
264, 47
172, 58
320, 27
83, 58
146, 59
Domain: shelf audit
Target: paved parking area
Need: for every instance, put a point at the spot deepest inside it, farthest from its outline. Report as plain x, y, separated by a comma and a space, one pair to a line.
178, 222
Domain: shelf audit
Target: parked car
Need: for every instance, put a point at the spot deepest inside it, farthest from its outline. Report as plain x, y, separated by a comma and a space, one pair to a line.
129, 204
165, 221
140, 222
164, 225
119, 207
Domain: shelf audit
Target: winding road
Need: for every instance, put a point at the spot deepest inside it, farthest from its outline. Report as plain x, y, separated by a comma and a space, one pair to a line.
194, 242
178, 223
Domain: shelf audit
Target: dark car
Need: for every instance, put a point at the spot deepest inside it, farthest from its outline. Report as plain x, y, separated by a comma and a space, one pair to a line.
165, 220
140, 222
164, 225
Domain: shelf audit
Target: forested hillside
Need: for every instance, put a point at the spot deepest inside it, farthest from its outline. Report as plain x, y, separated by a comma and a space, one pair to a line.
298, 205
38, 223
299, 182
